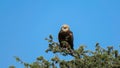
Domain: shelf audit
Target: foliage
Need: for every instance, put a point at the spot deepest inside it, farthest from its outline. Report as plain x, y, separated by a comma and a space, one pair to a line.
82, 58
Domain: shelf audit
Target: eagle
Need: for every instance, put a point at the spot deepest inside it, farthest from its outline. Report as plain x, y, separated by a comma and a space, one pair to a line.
65, 37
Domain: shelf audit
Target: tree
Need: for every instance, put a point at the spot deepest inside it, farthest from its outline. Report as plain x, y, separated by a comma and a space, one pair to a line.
100, 58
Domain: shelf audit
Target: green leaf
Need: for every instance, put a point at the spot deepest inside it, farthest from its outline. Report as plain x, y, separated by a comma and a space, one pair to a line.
17, 58
50, 36
40, 58
11, 66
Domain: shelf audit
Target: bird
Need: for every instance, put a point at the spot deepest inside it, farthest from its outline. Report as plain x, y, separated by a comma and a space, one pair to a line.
65, 37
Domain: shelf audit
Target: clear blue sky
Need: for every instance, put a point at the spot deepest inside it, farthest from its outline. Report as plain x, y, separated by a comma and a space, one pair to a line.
25, 23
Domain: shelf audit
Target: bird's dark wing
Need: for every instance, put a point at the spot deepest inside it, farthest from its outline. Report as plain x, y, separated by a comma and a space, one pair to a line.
60, 38
68, 37
71, 39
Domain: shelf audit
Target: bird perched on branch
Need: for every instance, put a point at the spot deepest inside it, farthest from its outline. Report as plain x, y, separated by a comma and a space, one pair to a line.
65, 37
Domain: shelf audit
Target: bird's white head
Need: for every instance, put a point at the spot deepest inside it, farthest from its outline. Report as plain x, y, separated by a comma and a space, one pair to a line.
65, 27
